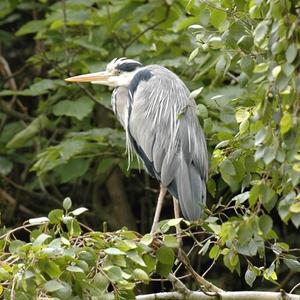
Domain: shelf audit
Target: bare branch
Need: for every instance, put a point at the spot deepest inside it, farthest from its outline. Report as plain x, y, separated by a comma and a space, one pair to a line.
8, 110
202, 282
224, 296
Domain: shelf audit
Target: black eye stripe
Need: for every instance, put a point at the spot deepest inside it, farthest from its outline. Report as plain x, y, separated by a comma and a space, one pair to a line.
128, 67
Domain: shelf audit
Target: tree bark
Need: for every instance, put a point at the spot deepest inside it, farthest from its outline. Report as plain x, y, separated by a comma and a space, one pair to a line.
120, 207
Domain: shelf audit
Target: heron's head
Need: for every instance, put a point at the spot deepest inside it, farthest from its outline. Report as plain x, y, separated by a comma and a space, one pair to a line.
119, 72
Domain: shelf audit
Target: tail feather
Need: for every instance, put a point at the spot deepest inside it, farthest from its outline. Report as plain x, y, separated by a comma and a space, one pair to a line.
190, 189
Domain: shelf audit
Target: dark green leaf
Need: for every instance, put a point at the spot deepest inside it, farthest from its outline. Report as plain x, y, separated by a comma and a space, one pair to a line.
31, 27
5, 166
165, 255
77, 109
265, 224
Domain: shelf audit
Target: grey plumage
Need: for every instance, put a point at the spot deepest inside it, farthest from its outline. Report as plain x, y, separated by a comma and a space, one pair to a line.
155, 108
162, 128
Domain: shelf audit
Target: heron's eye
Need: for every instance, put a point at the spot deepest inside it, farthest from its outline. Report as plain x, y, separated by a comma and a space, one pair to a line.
117, 72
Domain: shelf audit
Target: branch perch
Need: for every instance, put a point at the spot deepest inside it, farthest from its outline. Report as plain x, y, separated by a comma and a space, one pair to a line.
223, 295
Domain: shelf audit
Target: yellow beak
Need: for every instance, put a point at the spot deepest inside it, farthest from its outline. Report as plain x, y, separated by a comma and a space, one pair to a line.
99, 77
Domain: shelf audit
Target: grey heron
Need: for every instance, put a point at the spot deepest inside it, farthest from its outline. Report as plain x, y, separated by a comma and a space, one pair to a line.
155, 109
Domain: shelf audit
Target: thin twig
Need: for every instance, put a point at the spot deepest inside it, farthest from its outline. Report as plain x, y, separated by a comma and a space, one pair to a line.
128, 44
202, 282
295, 287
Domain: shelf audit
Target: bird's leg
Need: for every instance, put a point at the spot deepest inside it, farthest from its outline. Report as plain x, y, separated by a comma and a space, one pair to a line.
177, 215
159, 204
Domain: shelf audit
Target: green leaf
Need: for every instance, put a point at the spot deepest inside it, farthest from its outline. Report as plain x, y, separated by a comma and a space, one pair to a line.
269, 154
214, 252
205, 247
147, 239
41, 239
265, 224
227, 167
202, 111
215, 42
15, 246
31, 27
114, 251
136, 257
244, 126
221, 65
241, 198
170, 241
50, 267
174, 222
79, 211
53, 285
164, 269
242, 115
140, 275
114, 273
101, 281
5, 166
261, 68
21, 138
295, 207
74, 269
291, 52
245, 43
295, 218
196, 92
4, 275
217, 18
55, 216
72, 169
77, 109
165, 255
275, 72
293, 264
194, 54
72, 225
38, 221
285, 123
261, 136
245, 233
247, 65
150, 262
260, 32
267, 196
250, 277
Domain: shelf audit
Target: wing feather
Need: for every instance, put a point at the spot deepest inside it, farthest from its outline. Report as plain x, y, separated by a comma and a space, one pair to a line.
163, 124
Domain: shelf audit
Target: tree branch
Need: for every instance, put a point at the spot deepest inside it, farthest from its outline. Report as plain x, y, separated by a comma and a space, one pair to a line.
224, 296
203, 282
8, 110
128, 44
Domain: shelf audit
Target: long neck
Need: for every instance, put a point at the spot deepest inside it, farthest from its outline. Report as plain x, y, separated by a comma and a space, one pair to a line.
119, 103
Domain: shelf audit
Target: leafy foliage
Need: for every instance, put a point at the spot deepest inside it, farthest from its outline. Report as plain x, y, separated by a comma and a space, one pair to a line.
66, 260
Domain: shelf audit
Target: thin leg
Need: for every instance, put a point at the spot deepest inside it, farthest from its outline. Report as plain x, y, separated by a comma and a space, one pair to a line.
159, 204
177, 215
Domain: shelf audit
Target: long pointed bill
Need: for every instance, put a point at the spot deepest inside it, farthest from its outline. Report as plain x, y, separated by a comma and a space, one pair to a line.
99, 77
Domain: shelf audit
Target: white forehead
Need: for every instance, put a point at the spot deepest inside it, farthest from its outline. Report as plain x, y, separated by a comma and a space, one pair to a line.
116, 61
